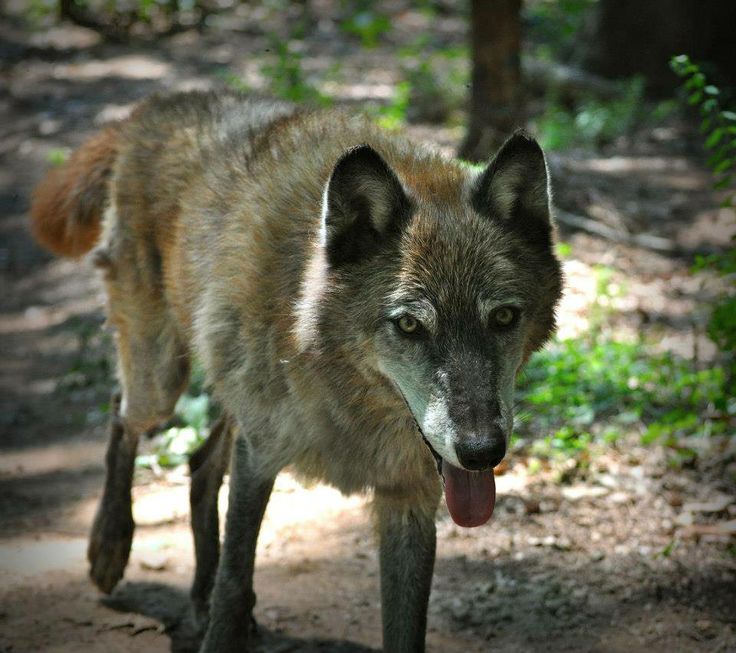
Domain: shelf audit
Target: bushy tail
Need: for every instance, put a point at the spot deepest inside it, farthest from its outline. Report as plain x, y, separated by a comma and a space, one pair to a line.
67, 206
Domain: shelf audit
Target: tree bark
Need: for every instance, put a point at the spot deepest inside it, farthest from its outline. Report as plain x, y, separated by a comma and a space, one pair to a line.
631, 37
496, 77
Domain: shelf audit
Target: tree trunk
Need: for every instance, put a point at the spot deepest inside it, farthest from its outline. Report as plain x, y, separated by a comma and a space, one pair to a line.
631, 37
496, 81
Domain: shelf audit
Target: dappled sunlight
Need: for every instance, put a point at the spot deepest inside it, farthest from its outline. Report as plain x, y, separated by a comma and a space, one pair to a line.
579, 294
67, 456
124, 67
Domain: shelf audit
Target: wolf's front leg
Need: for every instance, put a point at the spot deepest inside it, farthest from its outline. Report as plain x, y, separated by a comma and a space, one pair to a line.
112, 530
233, 597
208, 464
407, 549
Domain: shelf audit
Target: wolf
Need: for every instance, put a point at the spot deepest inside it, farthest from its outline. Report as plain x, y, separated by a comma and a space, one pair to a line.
361, 305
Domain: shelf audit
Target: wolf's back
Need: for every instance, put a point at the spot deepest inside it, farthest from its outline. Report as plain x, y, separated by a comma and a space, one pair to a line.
67, 206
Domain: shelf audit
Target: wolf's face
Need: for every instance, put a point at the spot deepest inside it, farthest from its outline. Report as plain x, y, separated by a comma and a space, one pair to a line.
458, 326
453, 294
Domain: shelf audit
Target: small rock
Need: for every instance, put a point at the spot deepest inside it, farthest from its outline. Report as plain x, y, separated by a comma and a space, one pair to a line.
705, 627
532, 505
619, 498
684, 519
49, 126
562, 544
155, 561
577, 492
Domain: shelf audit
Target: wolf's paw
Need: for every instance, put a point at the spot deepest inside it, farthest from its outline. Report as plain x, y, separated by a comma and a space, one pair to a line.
109, 549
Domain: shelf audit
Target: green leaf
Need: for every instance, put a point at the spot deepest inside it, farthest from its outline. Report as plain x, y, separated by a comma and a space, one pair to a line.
56, 156
711, 90
715, 137
696, 81
709, 106
713, 160
694, 98
723, 166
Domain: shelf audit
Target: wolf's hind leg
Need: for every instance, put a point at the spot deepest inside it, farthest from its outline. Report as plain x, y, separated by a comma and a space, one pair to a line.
112, 530
233, 597
207, 466
153, 366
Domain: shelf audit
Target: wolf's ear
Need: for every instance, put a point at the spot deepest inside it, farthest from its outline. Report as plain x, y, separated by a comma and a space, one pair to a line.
364, 205
514, 188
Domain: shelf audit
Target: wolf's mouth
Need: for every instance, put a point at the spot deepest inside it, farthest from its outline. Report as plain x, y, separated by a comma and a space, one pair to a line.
470, 496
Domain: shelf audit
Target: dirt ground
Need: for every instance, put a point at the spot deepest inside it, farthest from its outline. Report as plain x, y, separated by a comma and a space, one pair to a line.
633, 559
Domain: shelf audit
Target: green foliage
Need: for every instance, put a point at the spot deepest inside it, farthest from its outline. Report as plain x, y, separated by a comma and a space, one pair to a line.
232, 80
392, 116
722, 323
591, 122
367, 24
606, 292
286, 75
718, 125
563, 250
437, 78
38, 9
579, 391
194, 415
57, 156
722, 328
553, 25
593, 389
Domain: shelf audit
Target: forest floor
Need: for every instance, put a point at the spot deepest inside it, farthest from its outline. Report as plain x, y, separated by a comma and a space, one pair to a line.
634, 557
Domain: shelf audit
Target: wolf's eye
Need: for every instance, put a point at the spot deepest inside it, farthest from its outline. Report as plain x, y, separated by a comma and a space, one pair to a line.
504, 317
408, 324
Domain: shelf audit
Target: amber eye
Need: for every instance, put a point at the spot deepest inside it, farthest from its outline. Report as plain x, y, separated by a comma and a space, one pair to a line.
408, 324
505, 316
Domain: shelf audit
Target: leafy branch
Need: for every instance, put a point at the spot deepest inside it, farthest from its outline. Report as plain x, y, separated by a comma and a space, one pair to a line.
718, 125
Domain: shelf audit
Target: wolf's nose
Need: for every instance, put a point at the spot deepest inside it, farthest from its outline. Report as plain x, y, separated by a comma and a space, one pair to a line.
477, 454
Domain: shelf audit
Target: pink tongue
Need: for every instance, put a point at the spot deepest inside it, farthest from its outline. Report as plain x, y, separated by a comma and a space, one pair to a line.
470, 495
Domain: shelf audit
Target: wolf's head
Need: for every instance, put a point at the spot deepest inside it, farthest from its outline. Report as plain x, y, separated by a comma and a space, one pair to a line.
450, 286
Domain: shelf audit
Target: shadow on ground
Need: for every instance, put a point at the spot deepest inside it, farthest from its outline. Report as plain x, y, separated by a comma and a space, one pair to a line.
170, 606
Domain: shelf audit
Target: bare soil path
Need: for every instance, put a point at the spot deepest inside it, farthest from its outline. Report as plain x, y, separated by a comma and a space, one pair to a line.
602, 565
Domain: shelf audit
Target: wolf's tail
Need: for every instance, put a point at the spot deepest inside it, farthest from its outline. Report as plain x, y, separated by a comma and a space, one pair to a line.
67, 206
